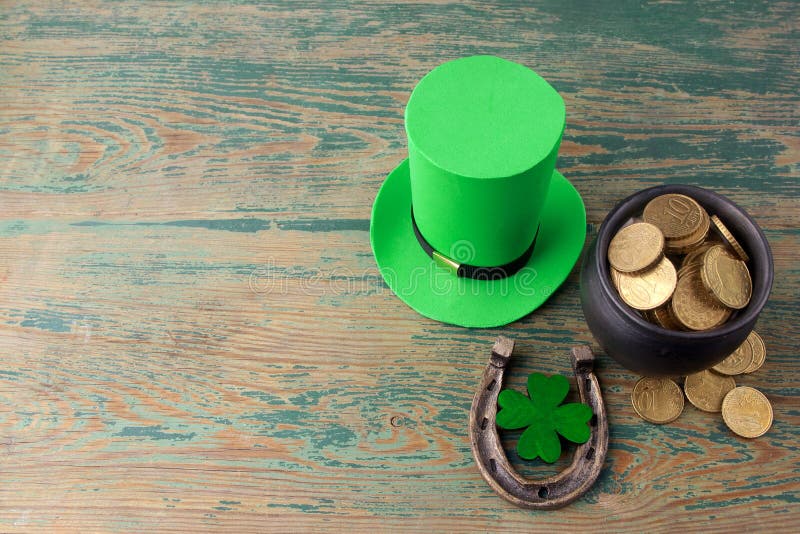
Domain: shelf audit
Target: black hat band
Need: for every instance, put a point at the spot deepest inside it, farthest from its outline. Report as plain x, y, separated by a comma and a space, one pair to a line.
465, 270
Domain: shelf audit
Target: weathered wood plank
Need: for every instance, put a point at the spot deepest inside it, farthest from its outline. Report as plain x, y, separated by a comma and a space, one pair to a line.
193, 329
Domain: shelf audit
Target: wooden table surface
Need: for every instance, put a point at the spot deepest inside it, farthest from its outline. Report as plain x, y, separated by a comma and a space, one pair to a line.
194, 333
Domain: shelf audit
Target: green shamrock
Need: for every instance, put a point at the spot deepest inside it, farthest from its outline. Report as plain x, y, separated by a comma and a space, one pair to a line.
544, 417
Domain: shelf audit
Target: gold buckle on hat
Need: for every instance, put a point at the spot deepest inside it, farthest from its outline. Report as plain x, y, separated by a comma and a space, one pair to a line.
443, 261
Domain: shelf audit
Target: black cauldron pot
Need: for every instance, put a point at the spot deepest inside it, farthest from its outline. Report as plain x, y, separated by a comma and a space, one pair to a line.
646, 348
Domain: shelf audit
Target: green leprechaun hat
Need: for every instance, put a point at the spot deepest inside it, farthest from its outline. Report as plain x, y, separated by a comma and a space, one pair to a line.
477, 228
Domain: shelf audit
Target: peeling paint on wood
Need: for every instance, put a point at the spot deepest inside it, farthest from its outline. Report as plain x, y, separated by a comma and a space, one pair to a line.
195, 335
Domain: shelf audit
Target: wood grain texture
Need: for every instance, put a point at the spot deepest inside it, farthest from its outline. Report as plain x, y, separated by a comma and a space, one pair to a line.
193, 331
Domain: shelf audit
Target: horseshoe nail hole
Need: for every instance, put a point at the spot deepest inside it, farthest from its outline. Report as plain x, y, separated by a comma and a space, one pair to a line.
593, 420
492, 465
396, 421
484, 423
543, 492
588, 383
491, 385
590, 453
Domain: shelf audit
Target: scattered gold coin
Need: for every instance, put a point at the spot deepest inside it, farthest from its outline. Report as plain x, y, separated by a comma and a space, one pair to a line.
657, 400
726, 277
694, 306
759, 352
648, 289
728, 237
706, 390
677, 216
738, 361
636, 247
747, 412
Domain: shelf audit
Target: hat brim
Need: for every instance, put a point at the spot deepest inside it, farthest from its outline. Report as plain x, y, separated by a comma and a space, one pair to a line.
437, 293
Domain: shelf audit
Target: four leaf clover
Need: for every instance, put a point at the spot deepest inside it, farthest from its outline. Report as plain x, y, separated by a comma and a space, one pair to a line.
544, 417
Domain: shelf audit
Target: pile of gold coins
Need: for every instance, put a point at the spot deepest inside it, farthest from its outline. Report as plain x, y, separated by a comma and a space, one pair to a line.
745, 410
711, 280
683, 270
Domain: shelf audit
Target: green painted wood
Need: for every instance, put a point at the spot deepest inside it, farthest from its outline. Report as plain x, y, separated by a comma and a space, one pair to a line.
194, 333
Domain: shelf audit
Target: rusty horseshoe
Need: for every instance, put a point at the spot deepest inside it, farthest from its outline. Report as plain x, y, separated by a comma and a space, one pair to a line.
569, 484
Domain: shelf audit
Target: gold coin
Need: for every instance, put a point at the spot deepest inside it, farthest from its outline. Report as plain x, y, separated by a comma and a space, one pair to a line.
694, 306
759, 352
649, 316
693, 241
747, 412
677, 216
728, 237
685, 269
615, 274
662, 316
707, 389
647, 289
630, 221
726, 277
658, 400
636, 247
738, 361
696, 255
